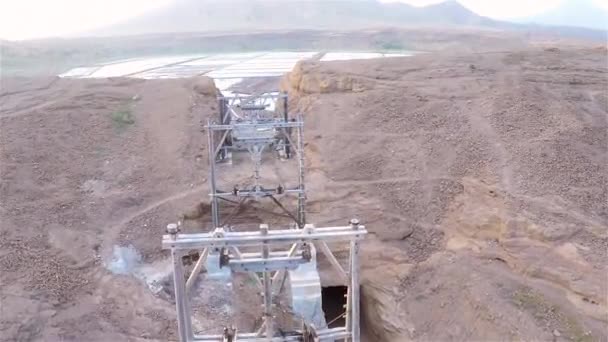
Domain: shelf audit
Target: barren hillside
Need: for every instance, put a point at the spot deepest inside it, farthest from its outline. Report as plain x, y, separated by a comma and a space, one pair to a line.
483, 180
87, 165
481, 177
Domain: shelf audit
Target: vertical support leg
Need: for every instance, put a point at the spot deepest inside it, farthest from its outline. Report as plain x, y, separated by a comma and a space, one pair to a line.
223, 112
288, 131
226, 120
215, 210
222, 104
354, 292
267, 289
184, 325
349, 293
301, 195
268, 306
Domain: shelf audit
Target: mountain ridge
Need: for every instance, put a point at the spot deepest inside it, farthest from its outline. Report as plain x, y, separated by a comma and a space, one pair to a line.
235, 15
581, 13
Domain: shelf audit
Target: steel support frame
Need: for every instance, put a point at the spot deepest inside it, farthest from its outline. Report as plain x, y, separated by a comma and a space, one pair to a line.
218, 134
266, 239
272, 265
247, 99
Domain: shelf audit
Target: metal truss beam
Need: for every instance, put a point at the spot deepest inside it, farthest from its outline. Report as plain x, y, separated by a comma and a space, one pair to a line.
220, 238
244, 126
266, 261
259, 125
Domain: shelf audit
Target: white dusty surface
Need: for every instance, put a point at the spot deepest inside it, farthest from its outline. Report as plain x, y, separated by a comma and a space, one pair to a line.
227, 69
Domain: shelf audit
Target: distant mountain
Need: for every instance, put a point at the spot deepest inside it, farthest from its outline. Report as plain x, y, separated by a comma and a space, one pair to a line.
576, 13
228, 16
240, 15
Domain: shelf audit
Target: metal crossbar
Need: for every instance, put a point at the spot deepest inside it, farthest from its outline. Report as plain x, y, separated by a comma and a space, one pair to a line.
244, 126
257, 125
266, 261
220, 238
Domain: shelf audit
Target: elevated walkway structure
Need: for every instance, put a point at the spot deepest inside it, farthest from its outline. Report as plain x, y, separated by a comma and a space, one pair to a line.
279, 251
253, 124
280, 263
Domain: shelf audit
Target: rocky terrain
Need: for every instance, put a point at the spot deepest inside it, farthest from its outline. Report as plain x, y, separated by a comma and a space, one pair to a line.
480, 176
483, 181
87, 165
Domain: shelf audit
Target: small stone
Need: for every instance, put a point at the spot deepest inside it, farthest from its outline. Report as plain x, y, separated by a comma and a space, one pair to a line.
556, 333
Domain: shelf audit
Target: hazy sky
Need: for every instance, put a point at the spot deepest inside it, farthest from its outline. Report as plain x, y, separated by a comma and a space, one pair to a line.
503, 9
23, 19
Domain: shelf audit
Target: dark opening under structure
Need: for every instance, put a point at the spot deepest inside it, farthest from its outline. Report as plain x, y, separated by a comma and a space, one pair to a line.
334, 303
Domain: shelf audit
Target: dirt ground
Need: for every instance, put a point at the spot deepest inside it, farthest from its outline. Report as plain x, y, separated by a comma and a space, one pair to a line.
482, 178
86, 165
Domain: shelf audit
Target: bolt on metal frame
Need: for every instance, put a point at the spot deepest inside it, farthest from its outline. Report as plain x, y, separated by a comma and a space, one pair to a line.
245, 125
267, 261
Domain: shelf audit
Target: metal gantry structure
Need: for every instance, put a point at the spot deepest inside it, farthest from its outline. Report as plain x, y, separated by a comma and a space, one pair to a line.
268, 257
252, 124
271, 264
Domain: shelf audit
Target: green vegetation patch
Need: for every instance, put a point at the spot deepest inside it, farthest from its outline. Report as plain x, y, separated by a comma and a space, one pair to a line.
123, 118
